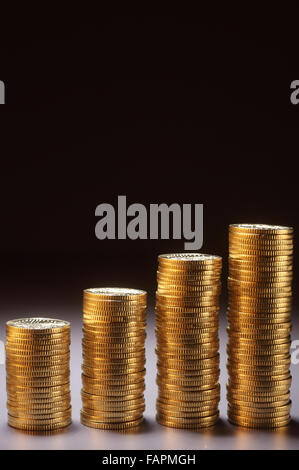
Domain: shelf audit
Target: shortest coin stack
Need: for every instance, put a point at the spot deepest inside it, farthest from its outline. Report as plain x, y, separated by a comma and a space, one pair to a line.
38, 374
113, 358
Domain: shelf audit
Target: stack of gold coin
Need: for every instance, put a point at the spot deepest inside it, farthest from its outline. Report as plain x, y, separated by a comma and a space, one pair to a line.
187, 311
38, 374
113, 369
259, 325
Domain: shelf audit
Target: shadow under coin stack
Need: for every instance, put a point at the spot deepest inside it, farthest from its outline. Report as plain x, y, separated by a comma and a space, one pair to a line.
259, 319
38, 374
114, 321
187, 311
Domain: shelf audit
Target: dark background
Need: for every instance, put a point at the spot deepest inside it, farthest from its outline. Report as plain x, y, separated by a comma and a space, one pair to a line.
161, 108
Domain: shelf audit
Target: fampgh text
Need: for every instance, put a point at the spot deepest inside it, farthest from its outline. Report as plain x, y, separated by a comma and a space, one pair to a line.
150, 459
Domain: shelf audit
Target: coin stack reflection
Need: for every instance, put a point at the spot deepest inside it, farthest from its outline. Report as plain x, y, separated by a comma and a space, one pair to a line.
113, 370
259, 325
38, 374
187, 339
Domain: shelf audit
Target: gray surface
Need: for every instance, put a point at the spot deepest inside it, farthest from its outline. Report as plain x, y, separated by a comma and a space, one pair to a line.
152, 435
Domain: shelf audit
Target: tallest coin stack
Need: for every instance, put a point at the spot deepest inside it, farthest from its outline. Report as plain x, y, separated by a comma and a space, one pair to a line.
259, 325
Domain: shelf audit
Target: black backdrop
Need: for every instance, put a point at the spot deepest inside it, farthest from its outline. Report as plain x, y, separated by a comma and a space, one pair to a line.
162, 108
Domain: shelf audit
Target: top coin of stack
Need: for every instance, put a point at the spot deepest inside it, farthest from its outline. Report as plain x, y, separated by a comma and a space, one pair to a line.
113, 370
187, 339
259, 319
38, 374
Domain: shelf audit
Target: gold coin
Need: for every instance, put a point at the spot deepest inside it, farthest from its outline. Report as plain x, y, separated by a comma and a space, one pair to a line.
98, 358
246, 412
190, 312
259, 242
262, 341
109, 370
99, 321
119, 394
61, 401
193, 373
256, 362
263, 276
186, 407
180, 330
49, 390
258, 313
117, 362
257, 384
259, 405
114, 350
111, 426
101, 399
187, 343
254, 387
113, 407
184, 259
115, 382
185, 357
261, 229
258, 418
114, 336
106, 375
189, 365
241, 421
269, 268
38, 428
116, 294
44, 420
251, 396
108, 307
37, 372
271, 243
114, 379
109, 342
209, 402
179, 414
203, 279
38, 325
186, 423
186, 418
243, 372
187, 384
112, 417
267, 408
190, 333
116, 311
212, 301
263, 326
38, 339
113, 389
190, 396
259, 250
176, 323
259, 336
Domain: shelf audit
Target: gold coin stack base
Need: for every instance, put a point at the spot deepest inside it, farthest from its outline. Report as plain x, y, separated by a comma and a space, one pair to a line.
113, 369
259, 325
38, 374
187, 311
